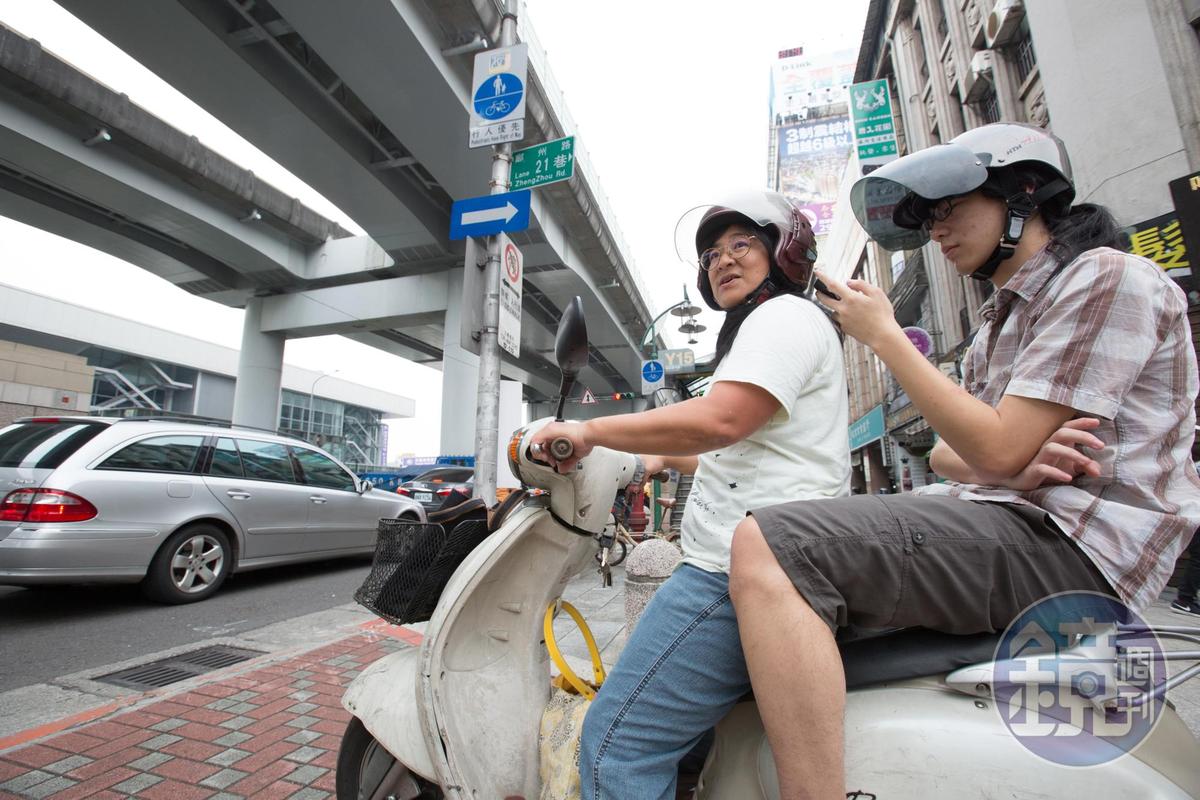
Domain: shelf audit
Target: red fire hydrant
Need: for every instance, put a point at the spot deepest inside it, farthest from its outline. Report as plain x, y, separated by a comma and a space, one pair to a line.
635, 501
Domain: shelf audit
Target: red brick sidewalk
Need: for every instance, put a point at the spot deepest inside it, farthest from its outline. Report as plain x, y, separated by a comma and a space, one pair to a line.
264, 729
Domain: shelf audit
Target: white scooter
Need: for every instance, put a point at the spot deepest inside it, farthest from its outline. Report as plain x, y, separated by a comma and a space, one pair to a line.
459, 717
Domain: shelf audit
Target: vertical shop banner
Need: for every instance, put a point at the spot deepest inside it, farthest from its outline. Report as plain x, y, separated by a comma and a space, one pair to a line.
812, 155
874, 128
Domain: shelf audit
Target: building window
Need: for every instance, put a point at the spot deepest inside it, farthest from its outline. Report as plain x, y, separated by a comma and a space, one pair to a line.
989, 107
1025, 58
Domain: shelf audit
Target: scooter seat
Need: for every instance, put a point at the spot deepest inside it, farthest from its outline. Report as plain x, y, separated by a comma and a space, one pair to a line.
878, 657
449, 516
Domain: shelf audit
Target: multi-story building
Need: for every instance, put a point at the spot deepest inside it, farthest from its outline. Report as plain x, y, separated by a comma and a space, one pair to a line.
1117, 80
57, 357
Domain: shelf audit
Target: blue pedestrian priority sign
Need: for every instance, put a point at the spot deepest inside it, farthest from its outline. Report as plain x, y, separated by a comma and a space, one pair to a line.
490, 214
498, 89
499, 96
652, 376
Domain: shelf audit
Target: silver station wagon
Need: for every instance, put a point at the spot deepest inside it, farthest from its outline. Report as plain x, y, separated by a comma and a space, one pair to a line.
176, 505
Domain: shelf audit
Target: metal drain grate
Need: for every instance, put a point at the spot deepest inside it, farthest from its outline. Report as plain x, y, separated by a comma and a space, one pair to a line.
180, 667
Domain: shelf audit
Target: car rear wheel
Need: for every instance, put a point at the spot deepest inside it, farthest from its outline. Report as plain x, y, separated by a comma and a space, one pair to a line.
192, 565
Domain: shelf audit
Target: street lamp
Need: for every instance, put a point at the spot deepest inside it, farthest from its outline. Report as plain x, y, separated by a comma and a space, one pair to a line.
311, 409
683, 308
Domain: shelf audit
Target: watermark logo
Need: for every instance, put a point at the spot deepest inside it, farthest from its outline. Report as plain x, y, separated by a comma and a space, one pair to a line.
1074, 679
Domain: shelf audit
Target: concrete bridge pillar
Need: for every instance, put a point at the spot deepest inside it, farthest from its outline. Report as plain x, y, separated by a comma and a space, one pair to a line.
460, 392
460, 379
260, 372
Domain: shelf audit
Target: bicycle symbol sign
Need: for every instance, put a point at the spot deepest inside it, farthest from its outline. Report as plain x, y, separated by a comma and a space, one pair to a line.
498, 96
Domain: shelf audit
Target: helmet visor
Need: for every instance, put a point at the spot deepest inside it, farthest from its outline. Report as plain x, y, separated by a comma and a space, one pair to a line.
764, 209
893, 201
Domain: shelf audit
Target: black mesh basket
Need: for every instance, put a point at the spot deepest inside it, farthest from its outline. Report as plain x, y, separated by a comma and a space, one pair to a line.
413, 563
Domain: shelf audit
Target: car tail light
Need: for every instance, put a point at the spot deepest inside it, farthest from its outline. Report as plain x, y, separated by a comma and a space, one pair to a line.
45, 505
444, 492
403, 491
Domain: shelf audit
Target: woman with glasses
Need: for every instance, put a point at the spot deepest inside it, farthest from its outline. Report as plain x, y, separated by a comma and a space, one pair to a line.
1067, 448
771, 427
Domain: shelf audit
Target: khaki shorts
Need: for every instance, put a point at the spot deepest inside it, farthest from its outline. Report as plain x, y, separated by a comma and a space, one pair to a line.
898, 561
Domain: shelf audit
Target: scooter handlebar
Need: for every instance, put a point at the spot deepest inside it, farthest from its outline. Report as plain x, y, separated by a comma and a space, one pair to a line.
561, 448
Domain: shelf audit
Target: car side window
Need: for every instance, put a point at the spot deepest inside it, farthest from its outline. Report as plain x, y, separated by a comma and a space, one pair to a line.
266, 461
320, 470
157, 454
226, 461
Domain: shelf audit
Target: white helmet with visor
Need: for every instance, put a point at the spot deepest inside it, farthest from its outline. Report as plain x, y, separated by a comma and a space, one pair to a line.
895, 203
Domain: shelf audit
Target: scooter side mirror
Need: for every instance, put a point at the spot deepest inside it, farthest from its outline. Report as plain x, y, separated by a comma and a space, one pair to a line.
570, 349
571, 344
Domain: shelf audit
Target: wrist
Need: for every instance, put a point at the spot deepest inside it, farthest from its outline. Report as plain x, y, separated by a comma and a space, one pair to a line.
639, 471
587, 433
890, 341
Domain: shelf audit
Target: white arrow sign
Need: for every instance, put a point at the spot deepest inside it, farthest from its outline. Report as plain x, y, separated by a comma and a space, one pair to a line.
506, 212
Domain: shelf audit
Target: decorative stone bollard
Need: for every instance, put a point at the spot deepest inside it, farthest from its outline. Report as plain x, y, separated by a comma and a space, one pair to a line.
647, 568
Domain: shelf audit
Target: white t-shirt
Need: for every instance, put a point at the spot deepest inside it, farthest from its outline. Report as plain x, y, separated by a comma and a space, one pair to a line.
789, 348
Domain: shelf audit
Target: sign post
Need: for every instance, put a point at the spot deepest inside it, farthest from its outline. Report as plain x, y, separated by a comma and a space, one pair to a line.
497, 118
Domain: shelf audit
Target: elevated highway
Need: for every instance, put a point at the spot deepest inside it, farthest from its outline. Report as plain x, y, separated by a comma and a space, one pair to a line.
359, 102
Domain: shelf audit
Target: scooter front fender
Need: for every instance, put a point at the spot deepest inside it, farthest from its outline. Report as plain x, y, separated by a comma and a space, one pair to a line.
385, 698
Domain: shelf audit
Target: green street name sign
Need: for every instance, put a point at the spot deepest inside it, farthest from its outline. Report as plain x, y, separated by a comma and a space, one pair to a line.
542, 164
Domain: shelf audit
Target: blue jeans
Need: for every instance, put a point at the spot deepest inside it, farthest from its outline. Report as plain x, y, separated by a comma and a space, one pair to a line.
682, 670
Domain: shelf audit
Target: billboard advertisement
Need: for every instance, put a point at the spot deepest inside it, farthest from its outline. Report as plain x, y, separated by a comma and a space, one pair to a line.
811, 157
800, 81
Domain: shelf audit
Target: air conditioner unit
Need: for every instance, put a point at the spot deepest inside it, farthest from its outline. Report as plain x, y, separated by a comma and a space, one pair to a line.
979, 78
1002, 23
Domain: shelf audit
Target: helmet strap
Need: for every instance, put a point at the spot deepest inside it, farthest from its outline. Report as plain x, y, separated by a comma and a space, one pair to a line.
1019, 205
765, 291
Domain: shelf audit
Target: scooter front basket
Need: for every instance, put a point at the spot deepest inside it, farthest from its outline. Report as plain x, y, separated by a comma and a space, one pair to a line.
413, 563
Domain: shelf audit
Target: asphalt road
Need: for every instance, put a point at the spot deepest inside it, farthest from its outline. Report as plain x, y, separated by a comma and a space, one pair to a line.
47, 632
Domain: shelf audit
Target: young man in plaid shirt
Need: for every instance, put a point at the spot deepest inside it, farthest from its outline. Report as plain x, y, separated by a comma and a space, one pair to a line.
1067, 448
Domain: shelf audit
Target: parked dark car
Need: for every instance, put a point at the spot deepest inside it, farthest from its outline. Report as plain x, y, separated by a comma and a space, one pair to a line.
432, 489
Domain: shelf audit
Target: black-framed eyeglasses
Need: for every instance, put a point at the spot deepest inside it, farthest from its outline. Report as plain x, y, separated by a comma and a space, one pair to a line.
738, 246
941, 210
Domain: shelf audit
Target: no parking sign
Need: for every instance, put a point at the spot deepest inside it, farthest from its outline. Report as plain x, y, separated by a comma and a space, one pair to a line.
512, 269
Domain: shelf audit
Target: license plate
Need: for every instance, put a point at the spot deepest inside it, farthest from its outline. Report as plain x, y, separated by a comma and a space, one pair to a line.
423, 497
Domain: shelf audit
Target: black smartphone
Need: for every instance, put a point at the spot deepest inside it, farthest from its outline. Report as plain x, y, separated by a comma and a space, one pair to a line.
823, 289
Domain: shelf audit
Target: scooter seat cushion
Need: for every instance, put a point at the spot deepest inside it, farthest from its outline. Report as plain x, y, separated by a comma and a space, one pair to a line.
879, 657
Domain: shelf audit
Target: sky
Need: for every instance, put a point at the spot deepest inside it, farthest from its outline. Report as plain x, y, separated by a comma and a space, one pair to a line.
670, 100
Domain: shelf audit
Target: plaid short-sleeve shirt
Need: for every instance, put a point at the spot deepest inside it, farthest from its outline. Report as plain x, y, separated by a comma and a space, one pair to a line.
1107, 336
